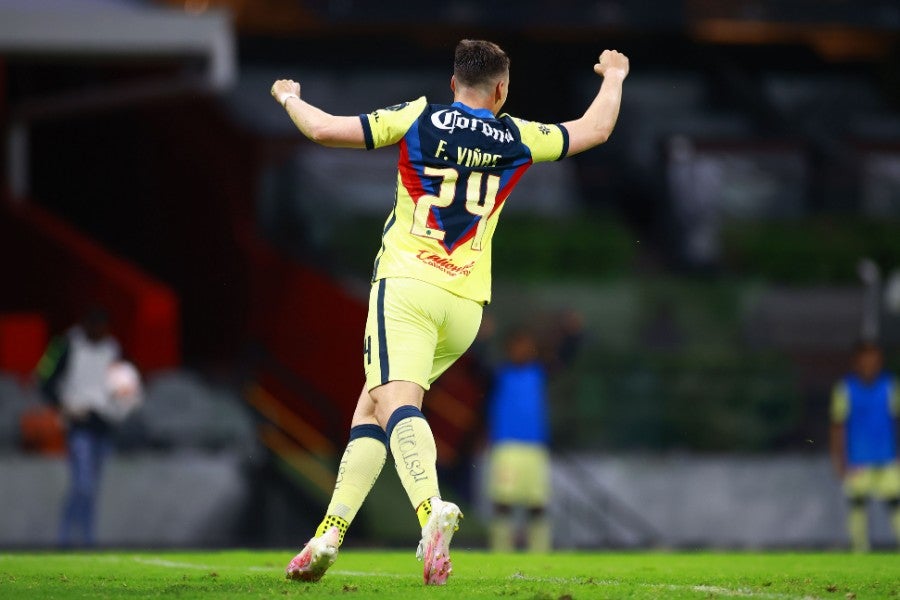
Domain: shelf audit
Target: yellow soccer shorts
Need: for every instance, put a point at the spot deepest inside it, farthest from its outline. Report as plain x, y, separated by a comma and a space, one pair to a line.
519, 474
882, 482
415, 331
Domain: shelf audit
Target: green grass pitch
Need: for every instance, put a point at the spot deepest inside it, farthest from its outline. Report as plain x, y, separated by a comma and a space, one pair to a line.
360, 574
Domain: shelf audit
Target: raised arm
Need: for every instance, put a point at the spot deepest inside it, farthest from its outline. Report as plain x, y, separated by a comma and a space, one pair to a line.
596, 124
317, 125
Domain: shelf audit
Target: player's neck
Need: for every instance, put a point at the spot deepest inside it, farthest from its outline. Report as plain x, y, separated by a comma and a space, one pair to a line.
474, 101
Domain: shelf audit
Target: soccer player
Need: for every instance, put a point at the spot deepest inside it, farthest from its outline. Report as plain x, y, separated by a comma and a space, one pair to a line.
457, 165
519, 456
518, 430
864, 409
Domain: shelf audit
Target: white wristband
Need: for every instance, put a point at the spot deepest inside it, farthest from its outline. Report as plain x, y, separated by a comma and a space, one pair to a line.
284, 102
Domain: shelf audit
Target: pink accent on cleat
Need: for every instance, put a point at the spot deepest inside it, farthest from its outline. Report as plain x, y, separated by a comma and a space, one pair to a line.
434, 549
437, 562
315, 558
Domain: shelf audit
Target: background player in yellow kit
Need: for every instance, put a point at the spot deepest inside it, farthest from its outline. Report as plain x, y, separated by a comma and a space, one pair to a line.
457, 165
865, 407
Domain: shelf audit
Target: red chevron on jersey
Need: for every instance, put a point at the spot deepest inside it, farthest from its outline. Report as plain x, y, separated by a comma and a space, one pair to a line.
457, 167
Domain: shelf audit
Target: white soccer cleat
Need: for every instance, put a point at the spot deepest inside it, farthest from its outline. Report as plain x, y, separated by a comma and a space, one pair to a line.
434, 548
315, 558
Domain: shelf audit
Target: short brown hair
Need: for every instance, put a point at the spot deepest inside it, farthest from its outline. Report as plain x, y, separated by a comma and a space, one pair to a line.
479, 62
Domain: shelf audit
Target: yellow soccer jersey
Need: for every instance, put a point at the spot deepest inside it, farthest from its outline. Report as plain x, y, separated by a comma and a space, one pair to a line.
457, 167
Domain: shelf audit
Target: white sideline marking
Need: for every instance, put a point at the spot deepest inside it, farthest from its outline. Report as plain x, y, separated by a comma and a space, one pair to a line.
739, 593
160, 562
171, 564
707, 589
367, 574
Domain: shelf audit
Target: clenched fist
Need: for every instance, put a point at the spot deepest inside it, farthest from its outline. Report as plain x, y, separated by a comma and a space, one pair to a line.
284, 89
612, 62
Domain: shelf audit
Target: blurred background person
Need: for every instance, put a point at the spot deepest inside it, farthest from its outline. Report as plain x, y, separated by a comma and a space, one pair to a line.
82, 373
864, 409
519, 436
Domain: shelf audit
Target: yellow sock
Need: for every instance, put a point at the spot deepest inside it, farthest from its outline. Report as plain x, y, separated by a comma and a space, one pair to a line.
540, 537
423, 512
333, 521
502, 532
415, 457
858, 525
360, 466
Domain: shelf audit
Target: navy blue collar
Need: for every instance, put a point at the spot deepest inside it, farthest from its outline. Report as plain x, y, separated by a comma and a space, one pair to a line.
478, 112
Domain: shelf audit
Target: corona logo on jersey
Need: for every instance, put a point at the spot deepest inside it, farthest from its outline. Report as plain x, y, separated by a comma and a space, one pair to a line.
449, 121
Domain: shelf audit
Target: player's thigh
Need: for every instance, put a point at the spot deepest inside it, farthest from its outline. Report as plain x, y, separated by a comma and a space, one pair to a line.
886, 482
459, 326
859, 482
519, 474
401, 336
